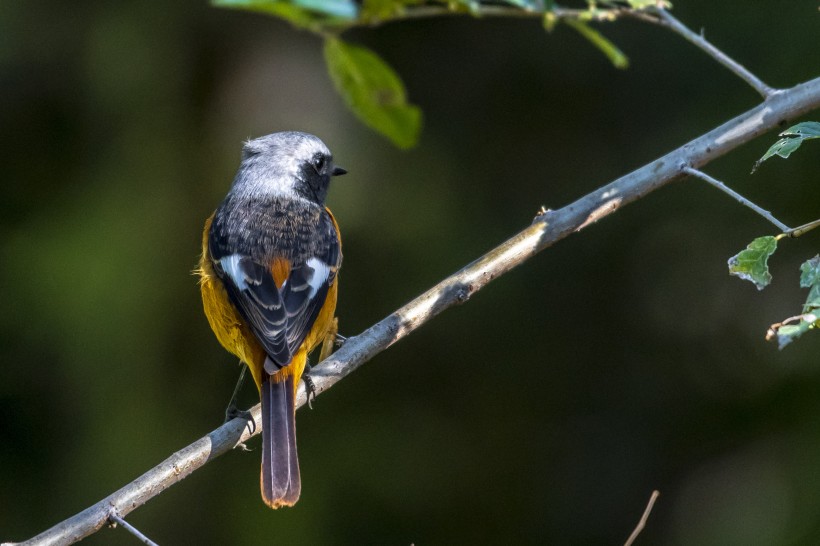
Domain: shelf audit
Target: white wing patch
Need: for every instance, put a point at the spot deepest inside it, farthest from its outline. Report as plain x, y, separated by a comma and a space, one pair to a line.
321, 271
230, 264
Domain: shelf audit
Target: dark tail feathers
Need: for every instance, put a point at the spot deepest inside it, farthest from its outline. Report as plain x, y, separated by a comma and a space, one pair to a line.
281, 483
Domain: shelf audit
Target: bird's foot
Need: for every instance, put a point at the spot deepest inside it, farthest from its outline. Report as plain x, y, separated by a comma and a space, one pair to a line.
310, 386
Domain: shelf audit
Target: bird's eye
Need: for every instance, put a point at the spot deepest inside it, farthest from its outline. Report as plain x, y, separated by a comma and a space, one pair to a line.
319, 164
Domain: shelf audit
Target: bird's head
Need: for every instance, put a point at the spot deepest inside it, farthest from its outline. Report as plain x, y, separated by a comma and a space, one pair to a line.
289, 164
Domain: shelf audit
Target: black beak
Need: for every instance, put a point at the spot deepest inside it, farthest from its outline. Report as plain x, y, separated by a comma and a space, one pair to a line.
338, 171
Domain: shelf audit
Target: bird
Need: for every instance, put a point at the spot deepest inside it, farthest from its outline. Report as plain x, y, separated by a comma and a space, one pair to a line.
268, 273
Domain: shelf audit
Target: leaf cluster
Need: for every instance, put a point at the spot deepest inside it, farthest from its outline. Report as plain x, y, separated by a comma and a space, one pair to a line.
752, 263
372, 90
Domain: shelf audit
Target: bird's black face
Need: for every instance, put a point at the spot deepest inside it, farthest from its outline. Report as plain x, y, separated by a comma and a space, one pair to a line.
315, 177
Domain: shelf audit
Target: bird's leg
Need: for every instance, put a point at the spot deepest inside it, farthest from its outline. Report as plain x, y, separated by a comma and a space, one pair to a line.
310, 387
330, 339
233, 412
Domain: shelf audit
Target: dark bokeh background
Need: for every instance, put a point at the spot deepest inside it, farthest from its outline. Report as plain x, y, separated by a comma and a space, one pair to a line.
546, 410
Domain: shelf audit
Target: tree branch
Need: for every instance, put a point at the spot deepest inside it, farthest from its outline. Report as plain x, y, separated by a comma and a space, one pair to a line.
667, 20
799, 231
657, 15
426, 11
644, 518
548, 228
739, 198
116, 519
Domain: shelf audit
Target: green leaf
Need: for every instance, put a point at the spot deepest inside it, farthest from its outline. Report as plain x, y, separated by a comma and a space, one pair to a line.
787, 332
549, 21
752, 264
807, 129
635, 4
615, 55
783, 147
345, 9
373, 91
643, 4
810, 272
379, 10
473, 7
526, 5
307, 14
810, 278
793, 137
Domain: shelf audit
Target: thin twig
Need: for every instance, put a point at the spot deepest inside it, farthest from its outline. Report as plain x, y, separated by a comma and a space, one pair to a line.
644, 517
479, 10
114, 518
801, 230
657, 15
669, 21
547, 229
736, 196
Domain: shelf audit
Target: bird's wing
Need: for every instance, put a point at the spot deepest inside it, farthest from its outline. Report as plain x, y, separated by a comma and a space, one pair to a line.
281, 314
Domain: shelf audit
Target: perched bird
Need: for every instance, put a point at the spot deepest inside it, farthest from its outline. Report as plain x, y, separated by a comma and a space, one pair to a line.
268, 274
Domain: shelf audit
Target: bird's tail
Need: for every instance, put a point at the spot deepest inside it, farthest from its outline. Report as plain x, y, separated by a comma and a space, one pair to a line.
281, 483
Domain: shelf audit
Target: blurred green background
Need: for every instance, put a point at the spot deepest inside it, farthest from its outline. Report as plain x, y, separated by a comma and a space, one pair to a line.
546, 410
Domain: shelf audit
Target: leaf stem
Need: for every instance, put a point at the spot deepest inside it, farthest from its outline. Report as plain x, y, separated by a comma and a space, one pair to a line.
739, 198
667, 20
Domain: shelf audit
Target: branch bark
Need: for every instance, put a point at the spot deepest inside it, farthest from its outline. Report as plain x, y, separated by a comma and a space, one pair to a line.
548, 228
